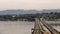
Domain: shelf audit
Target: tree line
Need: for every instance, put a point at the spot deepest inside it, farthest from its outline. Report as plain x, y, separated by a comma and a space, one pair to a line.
30, 17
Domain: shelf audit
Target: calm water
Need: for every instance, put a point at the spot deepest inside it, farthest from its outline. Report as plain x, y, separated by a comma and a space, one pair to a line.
17, 27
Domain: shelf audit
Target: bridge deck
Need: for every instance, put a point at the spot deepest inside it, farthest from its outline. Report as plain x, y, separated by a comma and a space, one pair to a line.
39, 27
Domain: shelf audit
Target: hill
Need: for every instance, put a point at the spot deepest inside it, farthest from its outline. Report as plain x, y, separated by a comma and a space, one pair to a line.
5, 12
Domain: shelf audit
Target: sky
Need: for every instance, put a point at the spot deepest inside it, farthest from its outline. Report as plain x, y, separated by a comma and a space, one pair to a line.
29, 4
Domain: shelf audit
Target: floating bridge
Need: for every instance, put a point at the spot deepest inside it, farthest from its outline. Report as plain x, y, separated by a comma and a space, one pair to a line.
41, 27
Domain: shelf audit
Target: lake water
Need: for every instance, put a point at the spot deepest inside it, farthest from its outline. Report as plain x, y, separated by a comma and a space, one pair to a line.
17, 27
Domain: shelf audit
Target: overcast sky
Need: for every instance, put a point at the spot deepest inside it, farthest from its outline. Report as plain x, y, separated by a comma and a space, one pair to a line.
29, 4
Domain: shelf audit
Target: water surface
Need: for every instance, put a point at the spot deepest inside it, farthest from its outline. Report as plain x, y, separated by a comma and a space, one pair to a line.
19, 27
